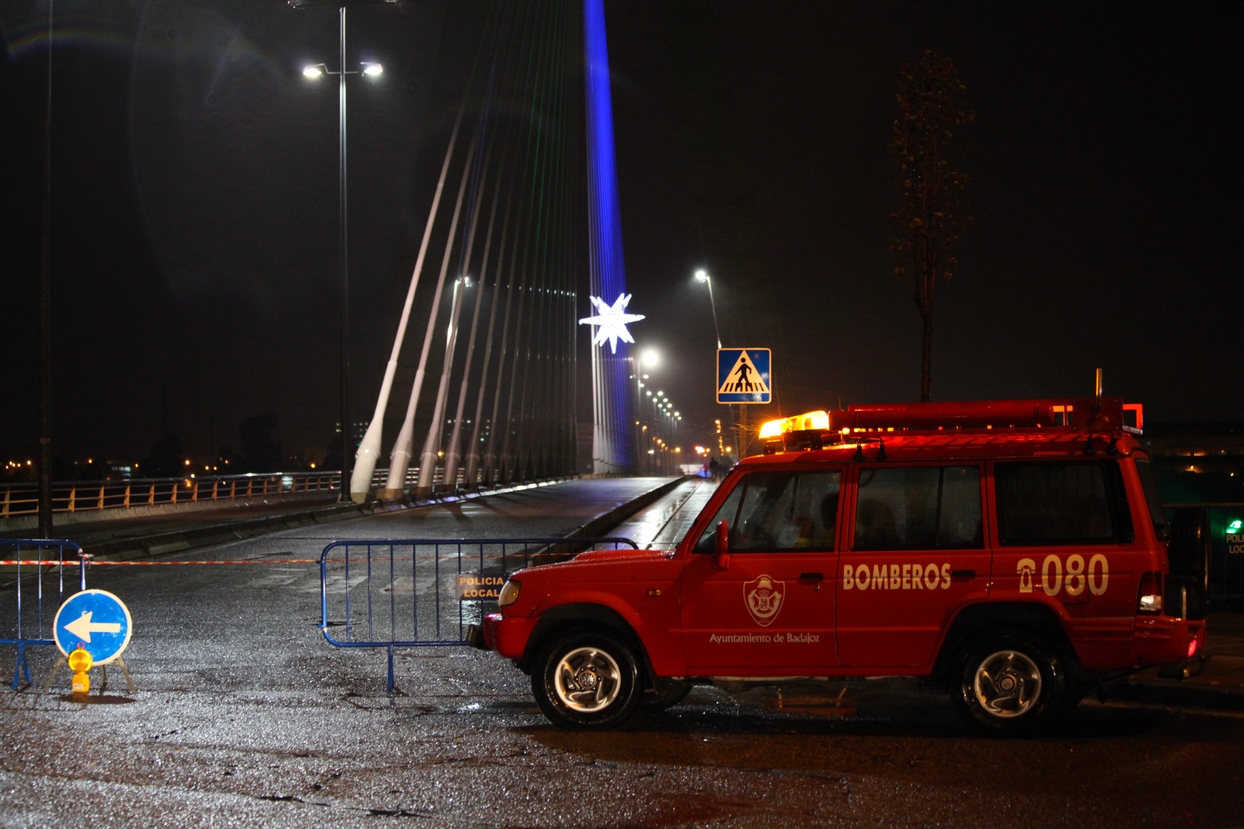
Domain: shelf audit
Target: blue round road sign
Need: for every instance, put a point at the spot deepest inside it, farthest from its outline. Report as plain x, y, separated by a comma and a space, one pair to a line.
96, 620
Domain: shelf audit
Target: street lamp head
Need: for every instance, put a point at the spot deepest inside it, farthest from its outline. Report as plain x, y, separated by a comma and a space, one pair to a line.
315, 71
701, 275
650, 358
371, 69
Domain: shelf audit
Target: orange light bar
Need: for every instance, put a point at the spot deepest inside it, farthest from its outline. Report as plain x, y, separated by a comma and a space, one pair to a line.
806, 422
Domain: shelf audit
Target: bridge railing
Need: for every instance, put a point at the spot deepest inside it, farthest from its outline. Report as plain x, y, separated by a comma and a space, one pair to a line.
95, 496
22, 499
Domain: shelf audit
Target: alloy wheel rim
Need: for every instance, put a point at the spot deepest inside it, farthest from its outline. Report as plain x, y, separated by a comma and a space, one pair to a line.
587, 680
1007, 684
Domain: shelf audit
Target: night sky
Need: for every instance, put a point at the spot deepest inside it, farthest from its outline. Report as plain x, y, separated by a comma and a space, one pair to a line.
194, 193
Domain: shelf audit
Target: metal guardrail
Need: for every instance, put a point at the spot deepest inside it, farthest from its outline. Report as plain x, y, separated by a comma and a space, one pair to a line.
33, 563
87, 496
213, 490
424, 592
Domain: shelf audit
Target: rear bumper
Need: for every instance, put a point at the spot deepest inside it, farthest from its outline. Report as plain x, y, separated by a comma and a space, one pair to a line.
1183, 670
1177, 645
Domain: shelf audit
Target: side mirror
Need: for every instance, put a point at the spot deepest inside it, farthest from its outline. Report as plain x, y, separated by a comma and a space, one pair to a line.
721, 555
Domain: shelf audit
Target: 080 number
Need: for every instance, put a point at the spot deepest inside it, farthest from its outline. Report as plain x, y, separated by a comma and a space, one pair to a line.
1071, 577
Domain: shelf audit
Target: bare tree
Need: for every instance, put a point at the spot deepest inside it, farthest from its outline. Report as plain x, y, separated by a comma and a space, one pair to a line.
932, 215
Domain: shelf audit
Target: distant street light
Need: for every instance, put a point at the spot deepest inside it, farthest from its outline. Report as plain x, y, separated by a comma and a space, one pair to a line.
663, 418
647, 359
314, 72
703, 276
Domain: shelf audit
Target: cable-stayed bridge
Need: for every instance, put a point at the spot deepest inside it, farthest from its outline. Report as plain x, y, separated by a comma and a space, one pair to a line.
522, 227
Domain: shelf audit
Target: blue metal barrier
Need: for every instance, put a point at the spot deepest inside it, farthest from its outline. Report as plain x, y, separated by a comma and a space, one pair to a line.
37, 561
424, 592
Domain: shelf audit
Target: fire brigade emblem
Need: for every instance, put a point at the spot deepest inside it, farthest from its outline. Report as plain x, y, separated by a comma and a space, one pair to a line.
764, 599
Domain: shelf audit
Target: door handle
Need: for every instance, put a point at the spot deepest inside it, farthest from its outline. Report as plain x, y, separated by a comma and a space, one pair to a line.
811, 577
962, 575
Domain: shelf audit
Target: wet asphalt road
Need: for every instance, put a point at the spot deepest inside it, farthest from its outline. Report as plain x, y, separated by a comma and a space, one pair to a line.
244, 716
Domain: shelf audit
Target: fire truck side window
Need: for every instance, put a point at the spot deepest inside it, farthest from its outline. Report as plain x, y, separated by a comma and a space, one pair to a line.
727, 512
771, 511
1062, 503
918, 508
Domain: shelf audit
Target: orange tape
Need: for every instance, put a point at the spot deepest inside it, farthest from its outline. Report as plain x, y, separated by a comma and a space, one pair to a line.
93, 563
39, 562
223, 561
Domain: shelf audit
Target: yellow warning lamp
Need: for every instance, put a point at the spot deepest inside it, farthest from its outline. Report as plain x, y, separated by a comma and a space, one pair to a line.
80, 662
805, 431
770, 429
809, 421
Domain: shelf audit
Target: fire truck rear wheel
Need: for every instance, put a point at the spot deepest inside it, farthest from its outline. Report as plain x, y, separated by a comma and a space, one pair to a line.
1009, 683
586, 680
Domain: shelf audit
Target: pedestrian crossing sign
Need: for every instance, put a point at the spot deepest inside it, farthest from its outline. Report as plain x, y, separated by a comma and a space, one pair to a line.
744, 375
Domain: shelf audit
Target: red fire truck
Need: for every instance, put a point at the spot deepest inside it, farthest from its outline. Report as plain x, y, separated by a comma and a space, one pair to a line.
1015, 550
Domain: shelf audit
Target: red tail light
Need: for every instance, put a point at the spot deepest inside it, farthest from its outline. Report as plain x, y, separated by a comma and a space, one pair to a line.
1150, 599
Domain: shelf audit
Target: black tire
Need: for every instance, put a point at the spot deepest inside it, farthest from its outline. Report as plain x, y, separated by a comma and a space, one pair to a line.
1008, 683
1075, 693
586, 680
665, 693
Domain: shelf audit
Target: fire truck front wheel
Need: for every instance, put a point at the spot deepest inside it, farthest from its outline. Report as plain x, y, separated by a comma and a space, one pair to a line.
586, 680
1009, 683
665, 693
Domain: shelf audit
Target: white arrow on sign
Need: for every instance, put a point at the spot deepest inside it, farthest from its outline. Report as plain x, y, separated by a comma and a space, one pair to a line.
83, 627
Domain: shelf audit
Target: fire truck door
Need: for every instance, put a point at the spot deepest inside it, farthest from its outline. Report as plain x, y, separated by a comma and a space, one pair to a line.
767, 610
916, 551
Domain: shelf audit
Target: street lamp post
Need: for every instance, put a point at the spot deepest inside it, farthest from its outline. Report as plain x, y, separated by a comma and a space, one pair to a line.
703, 276
315, 72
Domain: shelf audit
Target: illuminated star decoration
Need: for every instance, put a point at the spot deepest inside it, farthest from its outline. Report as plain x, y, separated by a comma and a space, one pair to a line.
611, 321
